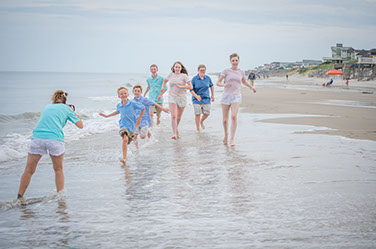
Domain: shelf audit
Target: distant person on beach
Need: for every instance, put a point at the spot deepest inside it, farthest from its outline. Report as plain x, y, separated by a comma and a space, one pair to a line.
128, 119
252, 77
48, 137
177, 98
231, 96
144, 130
154, 86
287, 76
330, 82
201, 98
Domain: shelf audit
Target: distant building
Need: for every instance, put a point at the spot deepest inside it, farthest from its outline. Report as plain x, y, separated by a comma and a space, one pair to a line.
341, 54
366, 56
309, 62
275, 65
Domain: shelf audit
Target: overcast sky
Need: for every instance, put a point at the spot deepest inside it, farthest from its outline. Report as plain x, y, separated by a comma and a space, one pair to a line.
128, 36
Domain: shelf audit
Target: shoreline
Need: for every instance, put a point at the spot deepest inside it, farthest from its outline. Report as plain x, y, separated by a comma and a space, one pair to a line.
350, 114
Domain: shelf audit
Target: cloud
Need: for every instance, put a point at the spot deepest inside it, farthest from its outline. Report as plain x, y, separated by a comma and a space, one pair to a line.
127, 35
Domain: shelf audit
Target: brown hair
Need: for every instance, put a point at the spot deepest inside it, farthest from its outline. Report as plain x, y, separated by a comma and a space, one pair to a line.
153, 65
121, 88
183, 69
59, 97
234, 55
201, 66
137, 86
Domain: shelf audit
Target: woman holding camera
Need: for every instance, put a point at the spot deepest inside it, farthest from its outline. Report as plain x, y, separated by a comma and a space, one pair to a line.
48, 137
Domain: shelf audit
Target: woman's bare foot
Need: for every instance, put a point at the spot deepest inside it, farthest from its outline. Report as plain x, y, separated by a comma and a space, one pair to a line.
174, 137
124, 161
203, 126
158, 121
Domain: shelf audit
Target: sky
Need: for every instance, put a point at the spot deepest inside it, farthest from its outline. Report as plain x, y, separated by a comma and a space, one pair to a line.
128, 36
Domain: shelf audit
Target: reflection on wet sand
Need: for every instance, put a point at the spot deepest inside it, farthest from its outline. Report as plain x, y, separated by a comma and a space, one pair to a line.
64, 228
27, 213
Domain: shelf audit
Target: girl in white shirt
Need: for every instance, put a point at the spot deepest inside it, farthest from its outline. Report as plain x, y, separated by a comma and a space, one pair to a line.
231, 96
179, 83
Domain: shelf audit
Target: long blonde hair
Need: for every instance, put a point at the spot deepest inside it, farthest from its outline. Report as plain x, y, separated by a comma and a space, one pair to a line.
59, 97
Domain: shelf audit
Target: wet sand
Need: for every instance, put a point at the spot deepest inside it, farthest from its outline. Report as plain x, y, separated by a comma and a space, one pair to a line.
343, 112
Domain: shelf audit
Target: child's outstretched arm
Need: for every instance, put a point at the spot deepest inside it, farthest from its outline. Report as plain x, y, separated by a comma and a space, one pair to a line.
187, 86
163, 109
109, 115
248, 85
138, 122
147, 90
219, 82
212, 93
198, 97
160, 95
163, 86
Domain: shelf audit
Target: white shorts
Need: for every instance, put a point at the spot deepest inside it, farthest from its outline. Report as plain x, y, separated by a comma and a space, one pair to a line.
228, 99
201, 109
181, 101
43, 146
142, 131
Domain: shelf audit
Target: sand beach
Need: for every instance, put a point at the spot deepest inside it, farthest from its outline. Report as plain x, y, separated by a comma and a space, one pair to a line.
347, 111
302, 173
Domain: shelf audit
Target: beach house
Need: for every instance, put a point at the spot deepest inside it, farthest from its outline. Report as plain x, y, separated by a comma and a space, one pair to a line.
340, 54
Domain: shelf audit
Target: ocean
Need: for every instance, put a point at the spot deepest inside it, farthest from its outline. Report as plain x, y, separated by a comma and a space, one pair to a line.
277, 188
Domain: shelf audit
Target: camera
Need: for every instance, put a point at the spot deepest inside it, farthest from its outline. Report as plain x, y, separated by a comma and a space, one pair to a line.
73, 107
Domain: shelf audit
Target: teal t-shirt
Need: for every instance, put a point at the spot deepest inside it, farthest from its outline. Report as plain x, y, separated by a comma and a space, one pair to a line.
52, 120
155, 88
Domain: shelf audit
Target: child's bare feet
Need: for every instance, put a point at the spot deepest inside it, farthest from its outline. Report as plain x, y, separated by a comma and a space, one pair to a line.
203, 126
232, 143
124, 161
158, 121
225, 140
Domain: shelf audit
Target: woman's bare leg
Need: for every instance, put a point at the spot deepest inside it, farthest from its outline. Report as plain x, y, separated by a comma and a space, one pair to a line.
31, 166
57, 162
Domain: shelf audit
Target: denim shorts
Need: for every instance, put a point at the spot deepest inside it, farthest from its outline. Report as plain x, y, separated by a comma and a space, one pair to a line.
43, 146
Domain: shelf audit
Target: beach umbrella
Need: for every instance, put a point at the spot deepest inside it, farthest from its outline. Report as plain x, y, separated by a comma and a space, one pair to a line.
334, 72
